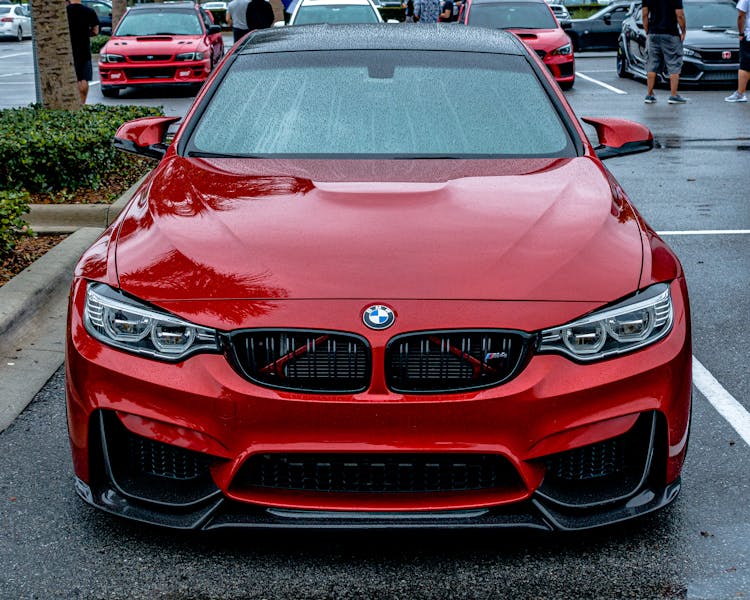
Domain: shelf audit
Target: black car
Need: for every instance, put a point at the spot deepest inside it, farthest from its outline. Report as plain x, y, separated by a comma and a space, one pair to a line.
561, 14
711, 46
103, 10
601, 30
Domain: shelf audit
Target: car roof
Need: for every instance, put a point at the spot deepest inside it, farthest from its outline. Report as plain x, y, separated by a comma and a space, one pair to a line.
379, 36
334, 2
163, 5
504, 1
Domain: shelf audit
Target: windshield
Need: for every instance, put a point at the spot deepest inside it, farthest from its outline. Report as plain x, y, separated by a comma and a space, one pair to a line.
159, 22
342, 13
512, 15
706, 14
388, 104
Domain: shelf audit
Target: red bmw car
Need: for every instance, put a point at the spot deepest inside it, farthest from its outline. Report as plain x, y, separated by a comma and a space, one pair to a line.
535, 23
160, 44
316, 318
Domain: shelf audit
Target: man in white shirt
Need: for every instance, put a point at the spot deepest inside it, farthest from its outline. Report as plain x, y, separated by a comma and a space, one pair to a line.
236, 10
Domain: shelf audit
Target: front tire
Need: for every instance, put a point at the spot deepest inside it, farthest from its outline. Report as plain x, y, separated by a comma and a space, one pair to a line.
567, 85
110, 92
622, 64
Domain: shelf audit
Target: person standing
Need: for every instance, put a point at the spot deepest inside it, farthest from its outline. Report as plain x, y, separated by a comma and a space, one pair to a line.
446, 14
426, 11
259, 15
664, 24
236, 11
743, 74
83, 23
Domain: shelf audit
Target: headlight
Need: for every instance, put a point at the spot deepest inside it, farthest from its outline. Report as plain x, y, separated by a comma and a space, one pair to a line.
563, 50
190, 56
638, 321
690, 52
111, 58
125, 323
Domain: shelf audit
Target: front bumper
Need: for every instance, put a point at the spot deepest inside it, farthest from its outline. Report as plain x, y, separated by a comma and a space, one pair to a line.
122, 75
202, 408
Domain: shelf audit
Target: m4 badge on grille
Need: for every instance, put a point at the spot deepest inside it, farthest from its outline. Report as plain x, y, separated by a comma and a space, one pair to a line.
378, 316
726, 55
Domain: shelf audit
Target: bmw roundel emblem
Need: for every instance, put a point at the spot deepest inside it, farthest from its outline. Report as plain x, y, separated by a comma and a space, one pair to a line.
378, 317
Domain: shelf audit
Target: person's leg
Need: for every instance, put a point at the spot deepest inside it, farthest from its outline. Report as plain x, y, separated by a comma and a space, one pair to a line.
674, 82
651, 82
83, 90
743, 77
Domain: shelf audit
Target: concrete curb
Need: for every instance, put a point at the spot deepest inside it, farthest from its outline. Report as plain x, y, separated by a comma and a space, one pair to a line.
28, 290
67, 218
33, 304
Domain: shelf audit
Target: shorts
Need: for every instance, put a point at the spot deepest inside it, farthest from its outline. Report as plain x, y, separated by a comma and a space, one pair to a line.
84, 70
744, 55
664, 51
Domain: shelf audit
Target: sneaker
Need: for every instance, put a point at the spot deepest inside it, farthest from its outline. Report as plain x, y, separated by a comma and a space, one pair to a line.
650, 99
736, 97
677, 100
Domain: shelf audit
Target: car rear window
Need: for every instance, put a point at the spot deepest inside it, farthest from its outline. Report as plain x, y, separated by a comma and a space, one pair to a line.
4, 10
159, 22
343, 13
381, 104
512, 15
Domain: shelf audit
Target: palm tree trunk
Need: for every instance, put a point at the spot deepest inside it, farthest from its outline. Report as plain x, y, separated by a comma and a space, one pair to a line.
118, 10
57, 77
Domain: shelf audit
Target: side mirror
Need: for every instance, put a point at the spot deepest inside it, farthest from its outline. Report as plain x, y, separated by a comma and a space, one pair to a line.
144, 136
618, 137
607, 20
214, 29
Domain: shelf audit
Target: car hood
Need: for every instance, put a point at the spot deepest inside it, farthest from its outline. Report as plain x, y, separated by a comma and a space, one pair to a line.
153, 44
697, 38
485, 230
542, 39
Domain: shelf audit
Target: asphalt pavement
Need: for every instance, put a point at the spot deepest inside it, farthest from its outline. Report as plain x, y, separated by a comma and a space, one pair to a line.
694, 189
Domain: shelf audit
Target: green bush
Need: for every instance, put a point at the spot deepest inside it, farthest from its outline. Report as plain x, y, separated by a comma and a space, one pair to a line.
97, 43
52, 150
13, 205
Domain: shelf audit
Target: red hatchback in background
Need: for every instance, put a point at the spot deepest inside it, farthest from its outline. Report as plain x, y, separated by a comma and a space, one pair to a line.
161, 44
535, 23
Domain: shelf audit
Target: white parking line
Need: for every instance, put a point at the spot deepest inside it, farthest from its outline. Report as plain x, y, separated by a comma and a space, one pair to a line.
725, 404
11, 74
707, 232
601, 83
16, 54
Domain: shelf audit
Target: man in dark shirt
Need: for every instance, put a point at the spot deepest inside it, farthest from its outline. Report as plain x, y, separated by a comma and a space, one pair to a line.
664, 24
83, 23
446, 14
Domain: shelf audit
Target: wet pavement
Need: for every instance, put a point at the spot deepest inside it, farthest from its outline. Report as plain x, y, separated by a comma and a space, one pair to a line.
698, 178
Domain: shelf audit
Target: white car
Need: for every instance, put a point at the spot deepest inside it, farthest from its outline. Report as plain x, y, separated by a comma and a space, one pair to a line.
15, 22
308, 12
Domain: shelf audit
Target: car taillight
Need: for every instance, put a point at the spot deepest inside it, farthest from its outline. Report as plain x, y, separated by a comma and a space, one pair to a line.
6, 20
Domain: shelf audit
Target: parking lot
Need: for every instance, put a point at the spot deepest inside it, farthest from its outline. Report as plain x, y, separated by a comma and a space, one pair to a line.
693, 188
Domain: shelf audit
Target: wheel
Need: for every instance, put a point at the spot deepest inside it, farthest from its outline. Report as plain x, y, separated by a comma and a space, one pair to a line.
110, 92
622, 64
567, 85
19, 36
